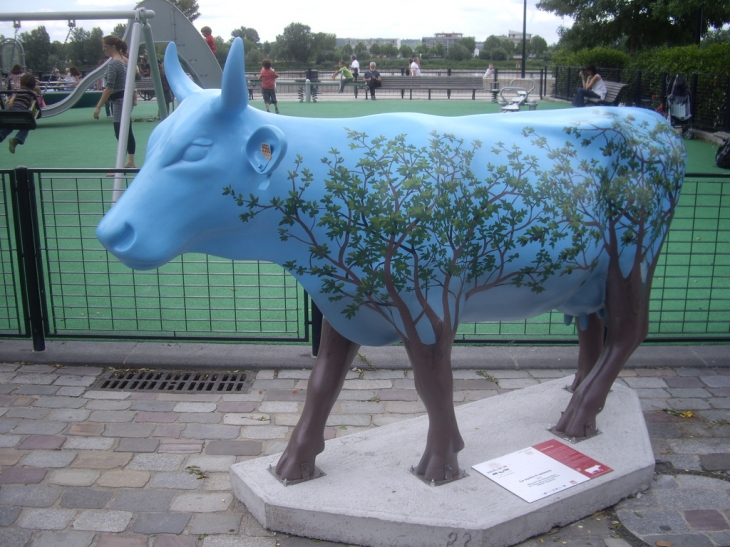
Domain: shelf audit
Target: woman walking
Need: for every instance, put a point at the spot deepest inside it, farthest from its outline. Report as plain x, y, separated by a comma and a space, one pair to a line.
116, 75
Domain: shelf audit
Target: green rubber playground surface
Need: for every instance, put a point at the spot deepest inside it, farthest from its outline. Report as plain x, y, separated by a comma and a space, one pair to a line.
89, 292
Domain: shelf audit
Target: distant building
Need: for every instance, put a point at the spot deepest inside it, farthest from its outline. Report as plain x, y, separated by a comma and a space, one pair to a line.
515, 36
448, 39
369, 42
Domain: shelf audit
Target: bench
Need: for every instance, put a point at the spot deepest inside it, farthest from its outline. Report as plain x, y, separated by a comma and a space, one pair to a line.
613, 93
431, 83
146, 88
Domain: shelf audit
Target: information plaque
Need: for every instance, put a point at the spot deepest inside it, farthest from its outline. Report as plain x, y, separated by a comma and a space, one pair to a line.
542, 470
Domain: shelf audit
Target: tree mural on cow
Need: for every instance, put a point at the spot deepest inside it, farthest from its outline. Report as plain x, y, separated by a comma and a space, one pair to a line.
406, 219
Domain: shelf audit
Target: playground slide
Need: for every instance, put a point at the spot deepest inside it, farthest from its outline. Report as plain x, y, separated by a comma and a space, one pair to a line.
76, 94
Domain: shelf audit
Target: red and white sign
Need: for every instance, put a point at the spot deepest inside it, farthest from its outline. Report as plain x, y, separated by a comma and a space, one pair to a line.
541, 470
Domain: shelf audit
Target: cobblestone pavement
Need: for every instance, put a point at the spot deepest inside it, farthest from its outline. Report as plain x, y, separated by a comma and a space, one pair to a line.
83, 467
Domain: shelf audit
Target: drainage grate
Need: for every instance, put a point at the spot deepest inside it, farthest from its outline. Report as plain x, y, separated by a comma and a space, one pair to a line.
177, 381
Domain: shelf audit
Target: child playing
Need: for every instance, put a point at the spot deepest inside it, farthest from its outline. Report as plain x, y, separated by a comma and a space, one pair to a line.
208, 35
20, 101
268, 78
344, 74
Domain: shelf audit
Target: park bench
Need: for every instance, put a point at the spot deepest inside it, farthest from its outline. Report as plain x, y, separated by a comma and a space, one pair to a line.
430, 83
613, 93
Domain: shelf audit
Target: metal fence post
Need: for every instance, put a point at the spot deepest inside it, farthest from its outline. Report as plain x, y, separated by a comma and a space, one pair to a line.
727, 106
29, 256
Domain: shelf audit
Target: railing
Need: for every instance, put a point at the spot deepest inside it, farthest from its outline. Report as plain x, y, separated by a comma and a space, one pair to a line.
709, 93
59, 282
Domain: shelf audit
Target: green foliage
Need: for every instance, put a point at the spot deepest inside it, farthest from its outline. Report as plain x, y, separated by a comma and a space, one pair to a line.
701, 59
119, 30
296, 43
37, 47
457, 52
469, 43
244, 33
492, 42
600, 56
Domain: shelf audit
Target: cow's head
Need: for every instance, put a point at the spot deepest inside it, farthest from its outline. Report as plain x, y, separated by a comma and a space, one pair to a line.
175, 204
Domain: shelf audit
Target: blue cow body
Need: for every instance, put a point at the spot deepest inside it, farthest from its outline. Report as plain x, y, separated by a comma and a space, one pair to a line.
552, 222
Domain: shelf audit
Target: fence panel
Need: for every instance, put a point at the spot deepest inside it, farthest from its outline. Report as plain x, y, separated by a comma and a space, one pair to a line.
90, 293
12, 318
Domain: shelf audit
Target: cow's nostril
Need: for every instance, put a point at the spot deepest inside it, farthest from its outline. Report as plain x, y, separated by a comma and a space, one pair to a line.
122, 240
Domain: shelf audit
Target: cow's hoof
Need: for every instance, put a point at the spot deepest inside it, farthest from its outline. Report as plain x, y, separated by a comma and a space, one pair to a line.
297, 459
576, 425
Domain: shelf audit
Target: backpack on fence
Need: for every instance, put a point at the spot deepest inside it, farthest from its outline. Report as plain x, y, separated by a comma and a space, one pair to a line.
722, 158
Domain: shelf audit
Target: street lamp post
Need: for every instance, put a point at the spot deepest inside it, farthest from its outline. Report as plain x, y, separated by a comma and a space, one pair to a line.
524, 38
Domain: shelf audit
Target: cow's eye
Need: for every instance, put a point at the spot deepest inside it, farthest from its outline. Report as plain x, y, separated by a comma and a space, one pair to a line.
197, 150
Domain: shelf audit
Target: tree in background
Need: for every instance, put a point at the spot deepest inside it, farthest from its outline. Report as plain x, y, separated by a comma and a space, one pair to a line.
437, 51
37, 46
537, 46
375, 49
295, 44
457, 52
406, 51
119, 30
637, 24
469, 43
245, 33
388, 50
361, 50
189, 8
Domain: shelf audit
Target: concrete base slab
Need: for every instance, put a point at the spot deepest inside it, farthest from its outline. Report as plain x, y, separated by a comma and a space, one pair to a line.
368, 497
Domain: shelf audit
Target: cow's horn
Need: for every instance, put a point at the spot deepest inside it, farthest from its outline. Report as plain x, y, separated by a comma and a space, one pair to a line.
181, 85
234, 90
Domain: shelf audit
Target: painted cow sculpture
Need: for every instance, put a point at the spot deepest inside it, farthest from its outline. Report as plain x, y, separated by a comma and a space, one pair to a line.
401, 226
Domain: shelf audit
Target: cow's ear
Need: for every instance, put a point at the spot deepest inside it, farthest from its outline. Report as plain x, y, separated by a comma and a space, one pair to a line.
265, 149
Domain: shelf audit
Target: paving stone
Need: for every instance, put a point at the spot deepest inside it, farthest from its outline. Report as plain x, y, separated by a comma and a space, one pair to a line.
236, 407
8, 515
715, 462
153, 406
12, 400
86, 498
403, 407
103, 521
59, 402
46, 519
706, 520
19, 475
720, 402
128, 430
233, 448
29, 496
269, 407
201, 502
204, 431
175, 541
43, 442
274, 384
212, 523
404, 384
285, 395
368, 384
7, 425
9, 441
362, 420
122, 541
142, 500
109, 405
168, 430
97, 459
716, 381
483, 384
14, 537
89, 430
212, 463
10, 456
265, 432
286, 419
684, 381
252, 419
137, 445
387, 419
28, 413
361, 407
37, 379
73, 477
80, 371
689, 392
233, 541
156, 462
645, 383
515, 383
398, 395
189, 397
254, 396
112, 416
160, 523
88, 443
69, 380
123, 478
194, 407
156, 417
71, 391
274, 447
69, 415
37, 369
49, 458
175, 481
109, 395
657, 522
200, 417
180, 446
27, 427
218, 481
64, 539
689, 404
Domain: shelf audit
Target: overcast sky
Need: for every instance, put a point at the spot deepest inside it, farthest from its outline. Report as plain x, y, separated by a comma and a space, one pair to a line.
371, 19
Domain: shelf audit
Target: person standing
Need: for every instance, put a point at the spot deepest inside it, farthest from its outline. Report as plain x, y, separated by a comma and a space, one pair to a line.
116, 75
372, 78
415, 67
354, 67
208, 35
268, 78
13, 81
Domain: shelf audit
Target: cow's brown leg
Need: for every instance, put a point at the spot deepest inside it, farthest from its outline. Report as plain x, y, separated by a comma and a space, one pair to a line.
336, 354
627, 306
435, 385
590, 343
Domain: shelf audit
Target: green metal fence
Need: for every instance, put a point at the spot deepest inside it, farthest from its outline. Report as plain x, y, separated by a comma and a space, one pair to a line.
58, 281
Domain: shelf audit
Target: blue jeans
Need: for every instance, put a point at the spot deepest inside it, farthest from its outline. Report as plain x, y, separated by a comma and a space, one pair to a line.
21, 136
581, 95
